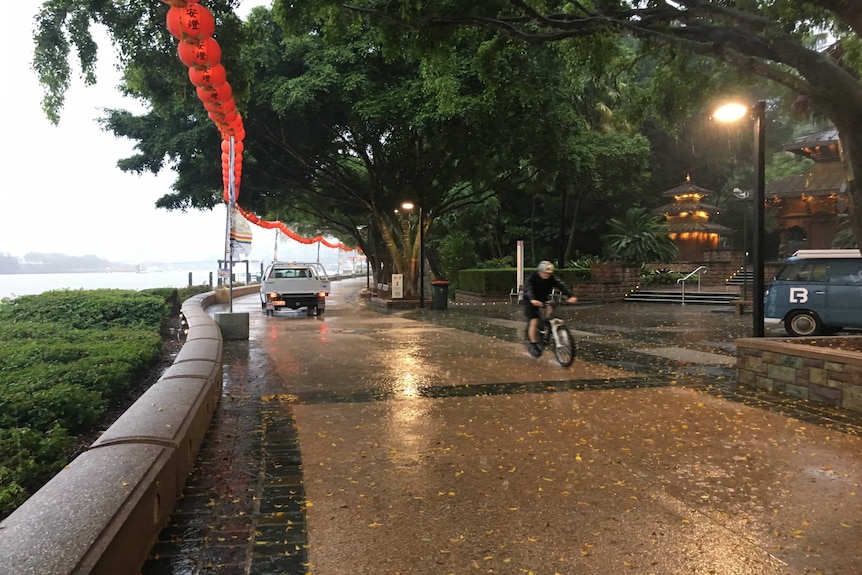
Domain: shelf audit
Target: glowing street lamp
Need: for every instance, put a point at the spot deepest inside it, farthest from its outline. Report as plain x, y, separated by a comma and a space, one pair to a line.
731, 113
409, 206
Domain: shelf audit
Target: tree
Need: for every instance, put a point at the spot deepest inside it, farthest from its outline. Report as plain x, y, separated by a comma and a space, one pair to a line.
769, 39
339, 130
639, 237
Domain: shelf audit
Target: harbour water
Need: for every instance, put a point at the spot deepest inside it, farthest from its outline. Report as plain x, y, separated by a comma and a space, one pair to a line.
13, 285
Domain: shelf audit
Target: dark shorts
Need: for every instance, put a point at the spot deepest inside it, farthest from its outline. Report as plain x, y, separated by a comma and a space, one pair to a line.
531, 311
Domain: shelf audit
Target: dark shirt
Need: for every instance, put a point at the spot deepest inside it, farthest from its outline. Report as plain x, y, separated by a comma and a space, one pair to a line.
540, 289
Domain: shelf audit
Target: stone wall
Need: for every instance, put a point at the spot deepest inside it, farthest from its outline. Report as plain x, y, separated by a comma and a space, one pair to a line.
819, 373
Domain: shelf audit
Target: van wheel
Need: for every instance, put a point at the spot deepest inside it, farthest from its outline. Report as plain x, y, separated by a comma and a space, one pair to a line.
803, 323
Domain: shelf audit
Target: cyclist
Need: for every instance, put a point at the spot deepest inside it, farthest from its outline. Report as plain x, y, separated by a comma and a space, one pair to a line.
537, 290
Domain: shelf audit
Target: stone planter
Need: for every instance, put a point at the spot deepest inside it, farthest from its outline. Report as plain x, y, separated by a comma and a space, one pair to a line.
821, 369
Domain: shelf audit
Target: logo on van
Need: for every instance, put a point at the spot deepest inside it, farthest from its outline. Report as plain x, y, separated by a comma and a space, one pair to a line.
798, 295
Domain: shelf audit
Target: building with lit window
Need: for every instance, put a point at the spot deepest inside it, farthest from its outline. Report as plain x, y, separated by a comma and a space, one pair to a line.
809, 207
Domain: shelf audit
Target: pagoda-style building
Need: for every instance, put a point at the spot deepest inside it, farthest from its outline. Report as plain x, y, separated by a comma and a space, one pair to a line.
688, 220
808, 207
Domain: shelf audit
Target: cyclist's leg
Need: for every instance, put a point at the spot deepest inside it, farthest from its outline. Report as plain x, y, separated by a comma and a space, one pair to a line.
532, 314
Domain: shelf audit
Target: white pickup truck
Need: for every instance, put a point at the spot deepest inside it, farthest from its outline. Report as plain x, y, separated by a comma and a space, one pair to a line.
294, 285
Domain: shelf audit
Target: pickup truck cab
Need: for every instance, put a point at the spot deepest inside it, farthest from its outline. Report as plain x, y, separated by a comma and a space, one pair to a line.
294, 285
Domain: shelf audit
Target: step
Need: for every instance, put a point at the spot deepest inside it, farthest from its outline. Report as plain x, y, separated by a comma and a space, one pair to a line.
708, 298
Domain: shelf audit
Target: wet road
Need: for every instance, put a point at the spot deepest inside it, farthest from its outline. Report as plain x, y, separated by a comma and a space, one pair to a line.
430, 442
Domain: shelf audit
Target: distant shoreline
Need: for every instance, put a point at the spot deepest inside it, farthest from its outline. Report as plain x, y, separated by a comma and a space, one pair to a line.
66, 271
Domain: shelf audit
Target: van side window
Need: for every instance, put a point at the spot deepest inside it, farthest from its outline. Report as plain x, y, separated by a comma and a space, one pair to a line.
796, 272
804, 272
846, 272
818, 273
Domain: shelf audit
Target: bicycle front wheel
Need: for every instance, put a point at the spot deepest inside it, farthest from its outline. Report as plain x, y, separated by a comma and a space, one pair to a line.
564, 348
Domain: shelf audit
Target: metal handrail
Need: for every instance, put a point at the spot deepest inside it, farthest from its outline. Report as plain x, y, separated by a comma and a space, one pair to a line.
683, 280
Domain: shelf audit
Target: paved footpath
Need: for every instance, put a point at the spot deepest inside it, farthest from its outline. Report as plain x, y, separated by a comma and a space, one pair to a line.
429, 442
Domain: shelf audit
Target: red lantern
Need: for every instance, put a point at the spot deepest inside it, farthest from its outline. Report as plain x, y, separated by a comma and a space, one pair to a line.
205, 54
220, 93
220, 107
223, 118
190, 23
208, 76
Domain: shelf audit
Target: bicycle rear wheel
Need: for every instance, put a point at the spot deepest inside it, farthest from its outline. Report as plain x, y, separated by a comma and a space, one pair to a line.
564, 347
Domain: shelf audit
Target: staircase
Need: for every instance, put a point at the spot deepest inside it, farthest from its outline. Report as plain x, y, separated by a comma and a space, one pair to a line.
740, 278
675, 296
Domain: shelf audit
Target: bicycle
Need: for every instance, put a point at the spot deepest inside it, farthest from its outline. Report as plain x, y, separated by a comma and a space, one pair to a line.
553, 328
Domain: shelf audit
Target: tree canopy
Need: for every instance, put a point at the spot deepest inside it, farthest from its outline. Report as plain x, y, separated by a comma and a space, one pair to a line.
811, 48
521, 119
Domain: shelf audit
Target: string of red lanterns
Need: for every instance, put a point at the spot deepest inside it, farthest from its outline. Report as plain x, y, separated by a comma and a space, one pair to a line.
193, 25
291, 234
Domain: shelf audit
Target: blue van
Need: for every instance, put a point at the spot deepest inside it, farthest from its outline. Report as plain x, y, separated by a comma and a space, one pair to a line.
817, 292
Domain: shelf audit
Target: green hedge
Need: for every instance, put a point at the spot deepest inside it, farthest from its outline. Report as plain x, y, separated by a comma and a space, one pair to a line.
66, 357
90, 309
501, 281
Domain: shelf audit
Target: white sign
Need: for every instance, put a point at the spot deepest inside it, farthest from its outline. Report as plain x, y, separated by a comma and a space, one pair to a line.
397, 286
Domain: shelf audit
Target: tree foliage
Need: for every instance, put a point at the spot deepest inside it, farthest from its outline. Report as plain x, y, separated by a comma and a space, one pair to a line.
775, 39
639, 237
506, 118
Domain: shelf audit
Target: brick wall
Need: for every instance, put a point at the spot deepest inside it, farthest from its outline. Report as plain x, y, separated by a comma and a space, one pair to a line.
818, 373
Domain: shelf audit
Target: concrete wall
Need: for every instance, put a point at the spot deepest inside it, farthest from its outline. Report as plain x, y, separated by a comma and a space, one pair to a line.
104, 511
819, 373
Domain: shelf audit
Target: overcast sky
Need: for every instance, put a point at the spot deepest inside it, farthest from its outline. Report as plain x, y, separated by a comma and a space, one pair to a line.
62, 191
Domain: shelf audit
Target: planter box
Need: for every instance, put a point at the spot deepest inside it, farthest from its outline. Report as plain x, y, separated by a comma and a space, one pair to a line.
815, 368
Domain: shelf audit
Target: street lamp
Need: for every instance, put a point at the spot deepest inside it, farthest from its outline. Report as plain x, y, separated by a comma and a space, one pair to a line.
731, 113
409, 206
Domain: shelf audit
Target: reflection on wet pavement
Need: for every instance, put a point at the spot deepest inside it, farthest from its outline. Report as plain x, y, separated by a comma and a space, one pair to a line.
426, 442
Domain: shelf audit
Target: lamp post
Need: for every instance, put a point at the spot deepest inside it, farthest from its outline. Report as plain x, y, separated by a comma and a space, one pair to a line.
744, 195
730, 113
409, 206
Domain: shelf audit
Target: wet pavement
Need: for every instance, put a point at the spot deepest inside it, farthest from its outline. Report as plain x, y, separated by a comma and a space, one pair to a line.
429, 442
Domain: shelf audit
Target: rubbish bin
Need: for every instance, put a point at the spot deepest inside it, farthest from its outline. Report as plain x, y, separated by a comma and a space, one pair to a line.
439, 294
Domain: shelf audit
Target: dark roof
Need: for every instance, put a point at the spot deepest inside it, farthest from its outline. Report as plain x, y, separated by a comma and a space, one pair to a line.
824, 179
695, 226
688, 187
819, 146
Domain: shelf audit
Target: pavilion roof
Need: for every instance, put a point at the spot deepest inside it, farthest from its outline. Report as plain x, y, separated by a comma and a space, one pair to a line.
697, 226
819, 146
686, 188
675, 208
823, 179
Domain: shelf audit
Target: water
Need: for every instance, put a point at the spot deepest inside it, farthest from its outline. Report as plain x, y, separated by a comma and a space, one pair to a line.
13, 285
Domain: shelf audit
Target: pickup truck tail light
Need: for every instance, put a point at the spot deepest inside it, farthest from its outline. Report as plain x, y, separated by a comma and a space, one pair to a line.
322, 294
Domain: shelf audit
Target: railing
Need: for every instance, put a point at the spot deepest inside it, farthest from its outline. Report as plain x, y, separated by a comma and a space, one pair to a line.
685, 279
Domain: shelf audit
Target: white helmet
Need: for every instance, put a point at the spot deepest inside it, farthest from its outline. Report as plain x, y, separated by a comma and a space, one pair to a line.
546, 267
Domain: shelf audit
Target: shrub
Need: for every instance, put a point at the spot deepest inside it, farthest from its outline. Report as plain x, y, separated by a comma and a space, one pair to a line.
28, 459
500, 281
457, 252
90, 309
65, 357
